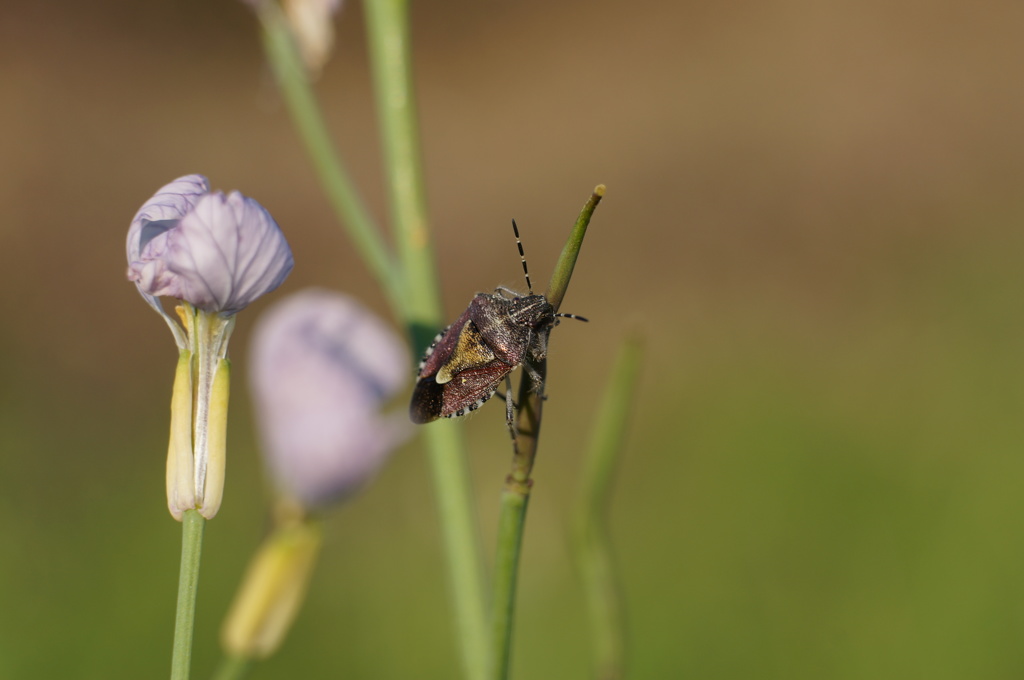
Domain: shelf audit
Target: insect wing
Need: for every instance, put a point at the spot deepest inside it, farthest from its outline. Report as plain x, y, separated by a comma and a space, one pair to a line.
427, 400
466, 392
470, 388
471, 351
438, 354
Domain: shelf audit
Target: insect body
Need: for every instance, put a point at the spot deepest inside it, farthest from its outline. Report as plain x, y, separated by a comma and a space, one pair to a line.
467, 362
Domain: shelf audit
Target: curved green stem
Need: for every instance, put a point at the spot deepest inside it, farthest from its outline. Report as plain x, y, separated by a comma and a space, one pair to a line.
297, 91
192, 527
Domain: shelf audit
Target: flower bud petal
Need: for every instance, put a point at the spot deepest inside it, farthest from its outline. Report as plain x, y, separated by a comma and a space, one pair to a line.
322, 366
217, 252
155, 217
163, 211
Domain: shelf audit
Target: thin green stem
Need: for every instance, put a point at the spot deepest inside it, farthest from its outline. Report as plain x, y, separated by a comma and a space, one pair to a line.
506, 566
387, 23
286, 63
593, 550
192, 526
567, 260
462, 548
516, 495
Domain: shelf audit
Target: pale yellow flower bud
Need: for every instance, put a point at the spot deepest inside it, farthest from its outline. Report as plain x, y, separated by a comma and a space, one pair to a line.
272, 591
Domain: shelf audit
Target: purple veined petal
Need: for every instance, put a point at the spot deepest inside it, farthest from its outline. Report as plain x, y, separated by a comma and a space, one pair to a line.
217, 252
156, 216
161, 212
321, 368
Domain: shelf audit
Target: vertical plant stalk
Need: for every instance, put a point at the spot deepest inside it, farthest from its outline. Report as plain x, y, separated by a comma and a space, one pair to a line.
293, 81
387, 23
592, 547
516, 494
192, 527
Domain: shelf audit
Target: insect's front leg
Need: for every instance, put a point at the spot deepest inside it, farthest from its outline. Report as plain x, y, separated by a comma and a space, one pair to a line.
534, 374
535, 377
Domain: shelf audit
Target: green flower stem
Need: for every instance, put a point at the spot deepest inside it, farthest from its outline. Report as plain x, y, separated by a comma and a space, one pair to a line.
192, 525
516, 495
510, 535
387, 25
590, 526
297, 91
460, 533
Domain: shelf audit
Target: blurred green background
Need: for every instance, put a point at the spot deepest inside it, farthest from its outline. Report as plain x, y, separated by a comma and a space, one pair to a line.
814, 212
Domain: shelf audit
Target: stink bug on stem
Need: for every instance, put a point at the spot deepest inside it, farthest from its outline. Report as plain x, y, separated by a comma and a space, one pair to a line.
467, 361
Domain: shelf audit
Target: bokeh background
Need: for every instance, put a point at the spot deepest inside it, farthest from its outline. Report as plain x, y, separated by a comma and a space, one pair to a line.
814, 213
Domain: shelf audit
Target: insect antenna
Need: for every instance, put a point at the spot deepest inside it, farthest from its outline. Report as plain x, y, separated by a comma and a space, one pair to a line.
526, 271
522, 256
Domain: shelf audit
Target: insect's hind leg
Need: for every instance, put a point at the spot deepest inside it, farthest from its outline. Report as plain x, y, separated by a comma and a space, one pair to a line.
501, 395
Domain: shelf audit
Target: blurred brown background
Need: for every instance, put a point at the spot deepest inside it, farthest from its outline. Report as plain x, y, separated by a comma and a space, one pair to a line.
814, 212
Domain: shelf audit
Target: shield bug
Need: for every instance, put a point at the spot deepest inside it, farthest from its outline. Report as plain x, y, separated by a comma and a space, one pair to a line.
469, 359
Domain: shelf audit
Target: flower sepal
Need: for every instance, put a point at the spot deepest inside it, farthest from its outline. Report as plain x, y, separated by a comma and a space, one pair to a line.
196, 455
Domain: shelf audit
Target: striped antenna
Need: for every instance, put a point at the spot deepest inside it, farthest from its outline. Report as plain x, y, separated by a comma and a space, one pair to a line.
526, 271
522, 256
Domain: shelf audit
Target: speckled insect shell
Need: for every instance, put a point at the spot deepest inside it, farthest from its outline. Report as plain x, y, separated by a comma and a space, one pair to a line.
468, 360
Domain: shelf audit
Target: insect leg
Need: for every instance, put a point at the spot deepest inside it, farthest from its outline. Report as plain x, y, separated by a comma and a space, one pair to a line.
501, 395
538, 382
505, 291
509, 407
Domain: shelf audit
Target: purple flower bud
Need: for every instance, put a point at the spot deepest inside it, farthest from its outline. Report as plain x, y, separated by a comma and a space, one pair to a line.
322, 366
217, 252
